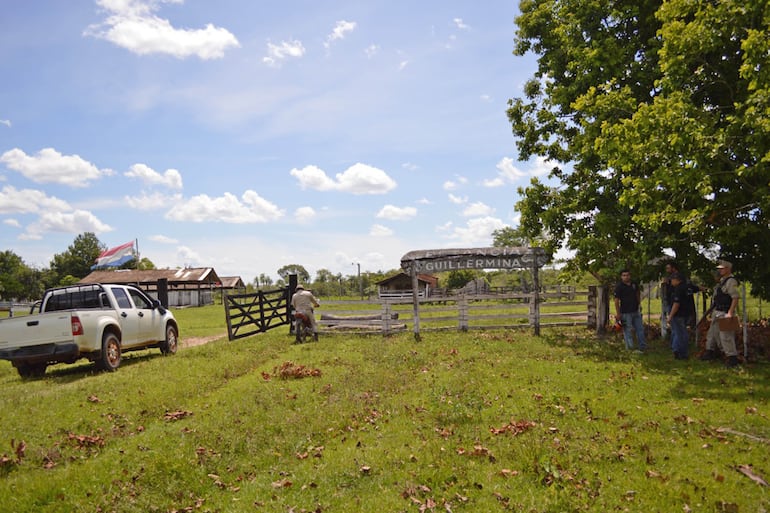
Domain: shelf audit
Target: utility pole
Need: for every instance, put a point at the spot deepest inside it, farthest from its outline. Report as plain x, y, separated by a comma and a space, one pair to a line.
360, 283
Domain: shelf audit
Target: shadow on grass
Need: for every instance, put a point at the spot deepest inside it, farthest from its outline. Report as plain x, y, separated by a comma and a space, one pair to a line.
690, 378
69, 373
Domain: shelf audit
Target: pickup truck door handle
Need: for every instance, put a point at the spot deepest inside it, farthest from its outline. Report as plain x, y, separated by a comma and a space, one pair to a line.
33, 323
123, 314
141, 314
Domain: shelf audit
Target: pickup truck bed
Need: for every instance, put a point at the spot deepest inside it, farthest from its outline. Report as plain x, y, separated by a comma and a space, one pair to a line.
97, 322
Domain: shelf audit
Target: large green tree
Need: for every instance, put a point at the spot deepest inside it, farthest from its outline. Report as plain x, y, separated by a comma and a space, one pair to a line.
655, 118
302, 275
77, 260
17, 279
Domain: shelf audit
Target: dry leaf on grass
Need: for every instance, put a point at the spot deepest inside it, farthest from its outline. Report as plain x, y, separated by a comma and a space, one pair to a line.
289, 370
748, 471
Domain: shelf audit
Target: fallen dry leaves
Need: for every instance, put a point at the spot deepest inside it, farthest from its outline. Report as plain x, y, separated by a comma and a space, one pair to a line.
176, 415
290, 370
514, 427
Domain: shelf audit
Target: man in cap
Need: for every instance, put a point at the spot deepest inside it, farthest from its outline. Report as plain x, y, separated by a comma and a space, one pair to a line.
677, 317
724, 304
303, 302
627, 308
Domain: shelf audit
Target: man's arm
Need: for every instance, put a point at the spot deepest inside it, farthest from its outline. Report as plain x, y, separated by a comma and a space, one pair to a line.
674, 310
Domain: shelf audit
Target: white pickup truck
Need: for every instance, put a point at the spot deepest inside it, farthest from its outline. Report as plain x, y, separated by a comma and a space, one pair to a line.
95, 321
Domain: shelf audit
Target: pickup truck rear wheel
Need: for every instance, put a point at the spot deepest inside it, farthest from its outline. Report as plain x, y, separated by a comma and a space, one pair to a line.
169, 346
110, 358
31, 370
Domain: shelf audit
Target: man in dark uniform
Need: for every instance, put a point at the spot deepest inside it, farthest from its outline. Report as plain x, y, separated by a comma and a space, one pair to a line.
627, 303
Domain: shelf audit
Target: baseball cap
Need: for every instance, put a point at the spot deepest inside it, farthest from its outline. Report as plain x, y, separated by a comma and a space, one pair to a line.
724, 264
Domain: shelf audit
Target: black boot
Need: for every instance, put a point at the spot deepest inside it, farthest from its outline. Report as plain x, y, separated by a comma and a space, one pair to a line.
315, 337
732, 361
710, 354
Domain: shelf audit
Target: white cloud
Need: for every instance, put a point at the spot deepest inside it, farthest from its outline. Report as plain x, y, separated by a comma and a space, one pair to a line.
371, 51
459, 23
29, 201
250, 208
377, 230
357, 179
171, 178
6, 122
54, 215
313, 177
50, 166
340, 29
163, 239
477, 231
485, 98
410, 167
77, 221
156, 200
132, 25
362, 179
12, 222
451, 185
402, 65
190, 257
458, 200
507, 173
277, 53
424, 201
541, 167
478, 209
394, 213
304, 214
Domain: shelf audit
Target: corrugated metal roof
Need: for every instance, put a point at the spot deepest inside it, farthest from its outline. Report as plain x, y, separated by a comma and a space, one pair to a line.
232, 282
198, 275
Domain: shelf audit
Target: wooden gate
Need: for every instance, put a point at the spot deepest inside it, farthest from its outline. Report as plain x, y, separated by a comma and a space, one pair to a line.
248, 314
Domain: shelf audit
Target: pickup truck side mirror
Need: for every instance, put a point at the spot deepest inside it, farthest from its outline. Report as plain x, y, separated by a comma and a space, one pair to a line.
156, 304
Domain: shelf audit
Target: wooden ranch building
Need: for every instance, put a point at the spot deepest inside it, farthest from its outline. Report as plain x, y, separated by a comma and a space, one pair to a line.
400, 286
192, 286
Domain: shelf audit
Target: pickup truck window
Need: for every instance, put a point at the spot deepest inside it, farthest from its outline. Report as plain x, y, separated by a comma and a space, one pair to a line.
73, 300
140, 300
121, 297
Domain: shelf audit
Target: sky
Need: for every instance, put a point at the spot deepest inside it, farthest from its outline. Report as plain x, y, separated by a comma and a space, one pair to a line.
246, 136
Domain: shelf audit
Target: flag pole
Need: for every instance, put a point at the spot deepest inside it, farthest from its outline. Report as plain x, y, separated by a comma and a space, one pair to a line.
136, 265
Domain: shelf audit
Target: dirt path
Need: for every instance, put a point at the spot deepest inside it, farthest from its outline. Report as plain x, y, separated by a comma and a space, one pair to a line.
199, 341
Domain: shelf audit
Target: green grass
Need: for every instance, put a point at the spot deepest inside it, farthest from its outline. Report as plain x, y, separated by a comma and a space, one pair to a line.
480, 421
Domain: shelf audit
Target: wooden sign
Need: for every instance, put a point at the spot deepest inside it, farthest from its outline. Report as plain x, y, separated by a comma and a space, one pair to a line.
438, 260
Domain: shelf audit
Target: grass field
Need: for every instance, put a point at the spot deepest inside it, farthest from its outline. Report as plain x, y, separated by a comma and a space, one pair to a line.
480, 421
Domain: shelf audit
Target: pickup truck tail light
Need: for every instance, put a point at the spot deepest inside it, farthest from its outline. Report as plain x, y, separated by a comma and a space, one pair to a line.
77, 327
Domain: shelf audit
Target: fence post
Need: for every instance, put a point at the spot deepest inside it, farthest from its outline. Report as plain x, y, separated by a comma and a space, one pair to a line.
386, 323
602, 309
462, 313
226, 302
289, 293
591, 320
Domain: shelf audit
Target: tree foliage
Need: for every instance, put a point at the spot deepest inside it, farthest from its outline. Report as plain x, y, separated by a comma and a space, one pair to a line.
77, 260
302, 275
17, 280
655, 117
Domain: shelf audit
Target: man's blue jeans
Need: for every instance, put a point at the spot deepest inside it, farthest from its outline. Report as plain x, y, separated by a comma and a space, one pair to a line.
632, 322
679, 337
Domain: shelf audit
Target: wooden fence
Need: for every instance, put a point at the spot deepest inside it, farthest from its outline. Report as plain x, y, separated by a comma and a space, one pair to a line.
248, 314
494, 311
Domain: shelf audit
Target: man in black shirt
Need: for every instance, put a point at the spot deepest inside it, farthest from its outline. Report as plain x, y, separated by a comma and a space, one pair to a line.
627, 302
677, 318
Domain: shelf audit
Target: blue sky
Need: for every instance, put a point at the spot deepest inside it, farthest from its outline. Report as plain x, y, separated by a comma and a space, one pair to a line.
248, 135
